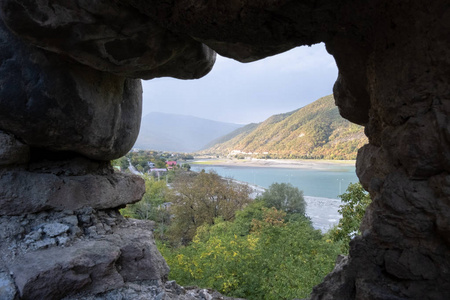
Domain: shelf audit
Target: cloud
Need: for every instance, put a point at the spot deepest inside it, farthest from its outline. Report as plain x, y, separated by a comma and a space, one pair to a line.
244, 93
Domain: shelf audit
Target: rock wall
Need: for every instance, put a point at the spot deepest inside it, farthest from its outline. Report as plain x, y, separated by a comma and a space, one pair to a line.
404, 251
70, 100
68, 106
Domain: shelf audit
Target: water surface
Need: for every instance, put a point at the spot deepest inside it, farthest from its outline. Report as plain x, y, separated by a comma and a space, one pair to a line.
321, 186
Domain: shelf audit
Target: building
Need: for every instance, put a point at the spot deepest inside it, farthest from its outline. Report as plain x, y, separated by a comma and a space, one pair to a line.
171, 164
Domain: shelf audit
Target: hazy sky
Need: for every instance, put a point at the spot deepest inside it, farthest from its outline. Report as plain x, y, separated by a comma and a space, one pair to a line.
245, 93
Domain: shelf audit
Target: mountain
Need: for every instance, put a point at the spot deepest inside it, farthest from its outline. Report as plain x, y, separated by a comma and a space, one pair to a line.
179, 133
240, 131
314, 131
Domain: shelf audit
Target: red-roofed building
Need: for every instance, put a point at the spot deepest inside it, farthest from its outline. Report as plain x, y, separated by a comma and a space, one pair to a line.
171, 164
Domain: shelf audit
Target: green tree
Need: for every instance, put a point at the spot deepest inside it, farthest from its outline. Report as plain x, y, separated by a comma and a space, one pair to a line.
356, 200
200, 199
186, 167
285, 197
160, 163
151, 206
121, 162
274, 260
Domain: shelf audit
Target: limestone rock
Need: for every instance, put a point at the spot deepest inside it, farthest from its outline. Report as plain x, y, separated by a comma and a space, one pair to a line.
38, 274
55, 229
336, 285
151, 291
109, 36
404, 251
12, 151
90, 263
140, 260
49, 103
247, 30
26, 192
7, 288
394, 70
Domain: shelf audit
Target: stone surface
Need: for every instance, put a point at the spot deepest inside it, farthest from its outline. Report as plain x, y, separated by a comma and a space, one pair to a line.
394, 69
90, 262
12, 151
247, 30
50, 103
7, 288
41, 191
108, 36
38, 274
404, 250
151, 291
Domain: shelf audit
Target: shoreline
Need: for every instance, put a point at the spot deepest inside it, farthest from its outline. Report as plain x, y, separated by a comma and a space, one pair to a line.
274, 163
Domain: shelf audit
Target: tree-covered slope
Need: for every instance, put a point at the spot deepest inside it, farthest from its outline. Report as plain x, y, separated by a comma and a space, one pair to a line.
314, 131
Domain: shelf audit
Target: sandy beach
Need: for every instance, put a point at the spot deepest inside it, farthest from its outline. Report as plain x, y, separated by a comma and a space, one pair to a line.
275, 163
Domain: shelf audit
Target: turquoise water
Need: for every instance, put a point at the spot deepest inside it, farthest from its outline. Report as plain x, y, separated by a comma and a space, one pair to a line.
321, 187
327, 182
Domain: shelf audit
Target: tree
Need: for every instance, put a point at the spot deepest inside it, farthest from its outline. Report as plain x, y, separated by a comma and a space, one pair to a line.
285, 197
200, 199
186, 167
275, 260
121, 162
355, 200
160, 163
151, 206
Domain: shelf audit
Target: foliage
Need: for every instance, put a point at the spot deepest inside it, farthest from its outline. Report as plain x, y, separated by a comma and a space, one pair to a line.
316, 131
285, 197
273, 260
151, 207
186, 167
186, 157
356, 200
121, 162
198, 200
160, 163
140, 159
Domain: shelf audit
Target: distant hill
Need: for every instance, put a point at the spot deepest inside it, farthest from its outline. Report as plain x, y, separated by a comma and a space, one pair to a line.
178, 133
238, 132
314, 131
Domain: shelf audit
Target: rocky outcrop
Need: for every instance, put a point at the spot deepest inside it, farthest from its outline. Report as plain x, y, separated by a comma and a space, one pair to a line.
70, 101
51, 255
404, 251
12, 151
108, 36
41, 191
50, 103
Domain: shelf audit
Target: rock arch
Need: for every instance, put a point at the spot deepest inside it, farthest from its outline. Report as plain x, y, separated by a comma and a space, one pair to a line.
70, 101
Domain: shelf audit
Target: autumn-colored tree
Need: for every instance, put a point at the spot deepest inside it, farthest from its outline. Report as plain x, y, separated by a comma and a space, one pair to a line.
270, 217
200, 199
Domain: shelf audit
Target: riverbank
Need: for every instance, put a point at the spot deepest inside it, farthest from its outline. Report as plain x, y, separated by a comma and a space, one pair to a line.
275, 163
320, 191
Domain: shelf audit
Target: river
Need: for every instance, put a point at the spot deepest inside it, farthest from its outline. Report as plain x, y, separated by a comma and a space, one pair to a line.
321, 186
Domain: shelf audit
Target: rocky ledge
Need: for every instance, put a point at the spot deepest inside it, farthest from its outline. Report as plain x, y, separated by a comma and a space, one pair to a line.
85, 255
63, 236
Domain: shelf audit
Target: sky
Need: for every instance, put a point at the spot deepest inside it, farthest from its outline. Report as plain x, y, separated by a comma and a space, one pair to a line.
241, 93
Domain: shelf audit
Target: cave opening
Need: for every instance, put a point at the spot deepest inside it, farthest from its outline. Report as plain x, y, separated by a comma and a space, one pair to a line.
252, 92
64, 87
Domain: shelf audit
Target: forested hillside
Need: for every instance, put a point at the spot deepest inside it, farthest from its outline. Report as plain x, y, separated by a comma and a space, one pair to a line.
314, 131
